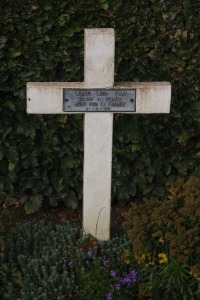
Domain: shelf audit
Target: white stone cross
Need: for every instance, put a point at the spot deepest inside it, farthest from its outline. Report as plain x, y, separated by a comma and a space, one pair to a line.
47, 98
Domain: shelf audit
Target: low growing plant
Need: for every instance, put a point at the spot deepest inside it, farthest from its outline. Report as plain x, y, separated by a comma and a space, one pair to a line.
45, 261
169, 280
106, 281
166, 241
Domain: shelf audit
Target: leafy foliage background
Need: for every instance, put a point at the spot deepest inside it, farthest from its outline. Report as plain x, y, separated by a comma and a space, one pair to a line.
41, 157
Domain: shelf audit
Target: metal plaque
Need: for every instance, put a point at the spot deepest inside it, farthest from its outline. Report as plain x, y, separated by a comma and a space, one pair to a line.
99, 100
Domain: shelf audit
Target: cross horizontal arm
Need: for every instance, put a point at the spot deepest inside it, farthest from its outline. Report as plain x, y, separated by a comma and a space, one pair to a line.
47, 98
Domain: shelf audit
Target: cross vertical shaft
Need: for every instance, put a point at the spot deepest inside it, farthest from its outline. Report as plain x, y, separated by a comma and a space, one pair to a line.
98, 127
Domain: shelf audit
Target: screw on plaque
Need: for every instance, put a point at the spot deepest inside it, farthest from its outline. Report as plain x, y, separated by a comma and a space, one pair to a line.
66, 99
131, 100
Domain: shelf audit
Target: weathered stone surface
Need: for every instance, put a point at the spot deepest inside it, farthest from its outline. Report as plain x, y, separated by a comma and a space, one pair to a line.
99, 58
47, 98
99, 73
97, 174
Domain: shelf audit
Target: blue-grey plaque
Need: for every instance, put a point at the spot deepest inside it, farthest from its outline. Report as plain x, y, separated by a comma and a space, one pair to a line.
99, 100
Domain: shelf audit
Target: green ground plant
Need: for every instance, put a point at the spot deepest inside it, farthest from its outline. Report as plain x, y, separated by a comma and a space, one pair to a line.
158, 260
45, 261
110, 281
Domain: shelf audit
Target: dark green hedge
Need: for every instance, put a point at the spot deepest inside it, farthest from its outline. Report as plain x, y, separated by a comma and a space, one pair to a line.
41, 156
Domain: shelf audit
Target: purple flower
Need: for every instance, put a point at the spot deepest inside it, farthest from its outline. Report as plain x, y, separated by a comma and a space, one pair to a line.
106, 261
113, 273
89, 253
129, 278
117, 287
126, 280
133, 276
70, 264
109, 296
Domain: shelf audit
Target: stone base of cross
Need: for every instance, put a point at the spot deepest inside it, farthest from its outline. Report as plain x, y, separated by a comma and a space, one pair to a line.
98, 99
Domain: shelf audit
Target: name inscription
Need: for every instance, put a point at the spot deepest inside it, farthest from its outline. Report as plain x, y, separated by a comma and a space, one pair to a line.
99, 100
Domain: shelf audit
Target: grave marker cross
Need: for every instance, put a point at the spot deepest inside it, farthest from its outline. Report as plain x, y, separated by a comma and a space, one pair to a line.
48, 98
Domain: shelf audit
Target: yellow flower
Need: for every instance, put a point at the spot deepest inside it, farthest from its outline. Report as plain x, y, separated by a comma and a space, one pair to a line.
126, 256
151, 263
140, 258
161, 240
163, 258
127, 261
195, 272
